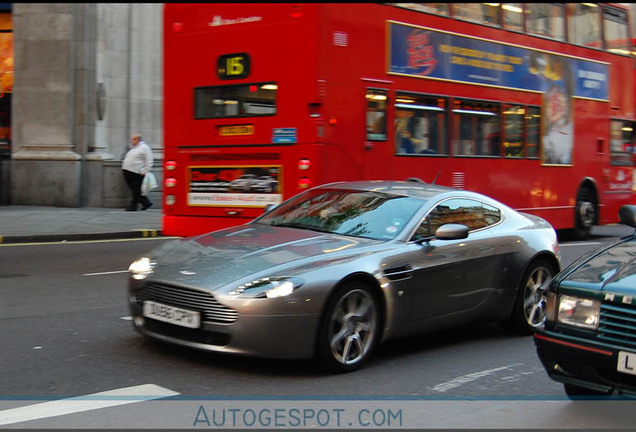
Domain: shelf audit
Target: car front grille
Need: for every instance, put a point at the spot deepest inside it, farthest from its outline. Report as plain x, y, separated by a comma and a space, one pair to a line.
211, 310
618, 324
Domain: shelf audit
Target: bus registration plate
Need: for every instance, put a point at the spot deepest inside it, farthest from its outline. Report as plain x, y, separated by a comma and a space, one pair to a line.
236, 130
172, 315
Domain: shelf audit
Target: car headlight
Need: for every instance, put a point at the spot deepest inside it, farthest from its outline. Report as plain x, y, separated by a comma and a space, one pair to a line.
267, 288
141, 268
579, 312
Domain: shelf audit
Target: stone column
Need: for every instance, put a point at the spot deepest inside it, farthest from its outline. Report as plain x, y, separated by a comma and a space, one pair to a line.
46, 166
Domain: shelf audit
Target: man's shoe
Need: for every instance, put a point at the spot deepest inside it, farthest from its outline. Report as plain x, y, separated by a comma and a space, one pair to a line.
146, 206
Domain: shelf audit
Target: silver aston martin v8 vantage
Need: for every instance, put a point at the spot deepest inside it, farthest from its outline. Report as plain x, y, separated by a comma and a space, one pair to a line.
336, 270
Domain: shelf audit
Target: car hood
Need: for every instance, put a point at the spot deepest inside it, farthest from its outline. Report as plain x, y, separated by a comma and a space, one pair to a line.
249, 252
613, 269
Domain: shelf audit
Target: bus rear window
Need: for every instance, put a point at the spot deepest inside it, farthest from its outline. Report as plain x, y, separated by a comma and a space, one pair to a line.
244, 100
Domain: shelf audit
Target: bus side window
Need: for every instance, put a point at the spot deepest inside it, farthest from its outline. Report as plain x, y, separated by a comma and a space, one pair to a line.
376, 114
533, 132
584, 26
546, 19
513, 117
479, 128
420, 124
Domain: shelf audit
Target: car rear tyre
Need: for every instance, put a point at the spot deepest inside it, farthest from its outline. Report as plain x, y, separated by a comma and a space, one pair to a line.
529, 308
576, 392
350, 328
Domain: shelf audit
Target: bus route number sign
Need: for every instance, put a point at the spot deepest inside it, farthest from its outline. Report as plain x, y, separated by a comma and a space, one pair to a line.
233, 66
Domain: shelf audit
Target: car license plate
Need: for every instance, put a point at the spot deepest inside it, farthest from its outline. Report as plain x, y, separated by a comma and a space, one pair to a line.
172, 315
626, 362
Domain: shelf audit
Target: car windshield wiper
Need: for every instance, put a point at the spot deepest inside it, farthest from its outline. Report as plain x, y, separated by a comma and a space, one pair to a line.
301, 226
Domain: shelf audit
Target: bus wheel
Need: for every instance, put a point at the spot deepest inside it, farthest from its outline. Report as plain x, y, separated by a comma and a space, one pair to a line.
585, 213
350, 328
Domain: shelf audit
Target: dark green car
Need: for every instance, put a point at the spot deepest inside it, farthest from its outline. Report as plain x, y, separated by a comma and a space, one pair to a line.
588, 342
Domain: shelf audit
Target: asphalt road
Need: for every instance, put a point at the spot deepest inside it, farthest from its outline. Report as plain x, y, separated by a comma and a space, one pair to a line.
65, 332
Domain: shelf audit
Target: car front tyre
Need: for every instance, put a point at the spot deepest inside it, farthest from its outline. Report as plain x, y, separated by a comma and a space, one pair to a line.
350, 328
530, 304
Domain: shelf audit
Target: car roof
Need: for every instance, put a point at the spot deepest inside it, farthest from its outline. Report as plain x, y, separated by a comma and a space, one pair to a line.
407, 188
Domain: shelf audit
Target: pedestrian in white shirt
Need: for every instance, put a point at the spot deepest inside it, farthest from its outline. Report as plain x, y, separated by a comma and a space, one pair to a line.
135, 166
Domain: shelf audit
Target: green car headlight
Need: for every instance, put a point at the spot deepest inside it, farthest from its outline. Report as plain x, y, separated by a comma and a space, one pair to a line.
578, 312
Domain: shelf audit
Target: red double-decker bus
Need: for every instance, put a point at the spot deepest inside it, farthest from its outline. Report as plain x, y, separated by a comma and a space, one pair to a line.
528, 103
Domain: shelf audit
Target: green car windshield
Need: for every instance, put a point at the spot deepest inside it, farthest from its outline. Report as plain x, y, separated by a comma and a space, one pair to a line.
368, 214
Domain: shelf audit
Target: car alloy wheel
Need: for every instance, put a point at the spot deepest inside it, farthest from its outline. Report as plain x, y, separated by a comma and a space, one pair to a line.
529, 310
350, 328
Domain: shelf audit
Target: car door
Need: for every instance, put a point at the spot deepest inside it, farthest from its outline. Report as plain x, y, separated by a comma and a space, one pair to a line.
455, 276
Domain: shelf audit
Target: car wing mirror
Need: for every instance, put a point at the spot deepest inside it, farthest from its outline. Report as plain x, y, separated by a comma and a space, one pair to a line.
268, 208
627, 215
452, 232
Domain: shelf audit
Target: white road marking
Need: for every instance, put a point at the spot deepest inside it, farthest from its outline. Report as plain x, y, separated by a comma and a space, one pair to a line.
70, 242
77, 404
105, 273
580, 244
465, 379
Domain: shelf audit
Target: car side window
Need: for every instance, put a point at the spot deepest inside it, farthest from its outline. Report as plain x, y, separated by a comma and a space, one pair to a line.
474, 214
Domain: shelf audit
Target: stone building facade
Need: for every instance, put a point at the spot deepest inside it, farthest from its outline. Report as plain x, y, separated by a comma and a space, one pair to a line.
87, 76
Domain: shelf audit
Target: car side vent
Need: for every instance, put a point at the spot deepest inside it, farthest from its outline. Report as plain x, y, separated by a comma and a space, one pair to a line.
398, 273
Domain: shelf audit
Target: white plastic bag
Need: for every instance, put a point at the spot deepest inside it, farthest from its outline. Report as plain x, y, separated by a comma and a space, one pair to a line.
149, 183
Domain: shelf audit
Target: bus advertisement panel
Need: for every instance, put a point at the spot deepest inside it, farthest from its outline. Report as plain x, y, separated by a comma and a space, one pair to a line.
262, 101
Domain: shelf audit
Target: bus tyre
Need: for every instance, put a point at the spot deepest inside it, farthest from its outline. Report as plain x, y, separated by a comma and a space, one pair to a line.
529, 308
585, 213
350, 328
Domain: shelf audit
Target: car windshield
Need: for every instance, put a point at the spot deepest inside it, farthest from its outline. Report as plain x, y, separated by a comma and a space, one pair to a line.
369, 214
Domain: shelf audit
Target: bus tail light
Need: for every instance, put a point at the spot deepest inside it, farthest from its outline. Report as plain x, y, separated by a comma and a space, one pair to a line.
304, 183
170, 182
304, 164
170, 165
296, 12
171, 200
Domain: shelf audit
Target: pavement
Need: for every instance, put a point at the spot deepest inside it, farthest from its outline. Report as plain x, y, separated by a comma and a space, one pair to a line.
27, 224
